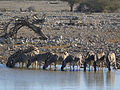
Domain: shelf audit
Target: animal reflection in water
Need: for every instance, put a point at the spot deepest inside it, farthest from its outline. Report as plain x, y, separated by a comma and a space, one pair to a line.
110, 78
93, 79
48, 58
99, 79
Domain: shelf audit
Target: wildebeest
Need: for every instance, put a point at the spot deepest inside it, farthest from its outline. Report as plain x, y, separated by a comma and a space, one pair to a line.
20, 56
52, 59
40, 58
90, 59
111, 60
68, 59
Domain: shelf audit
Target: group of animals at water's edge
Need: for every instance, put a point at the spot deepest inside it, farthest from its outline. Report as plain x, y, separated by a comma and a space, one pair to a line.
91, 59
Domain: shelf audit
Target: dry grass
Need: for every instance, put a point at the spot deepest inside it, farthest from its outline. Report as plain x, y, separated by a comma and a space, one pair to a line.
53, 47
46, 47
113, 40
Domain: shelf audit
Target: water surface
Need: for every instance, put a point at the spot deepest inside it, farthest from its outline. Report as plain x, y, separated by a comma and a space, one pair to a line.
19, 79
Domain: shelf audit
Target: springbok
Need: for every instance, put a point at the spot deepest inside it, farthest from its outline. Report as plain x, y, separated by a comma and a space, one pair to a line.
111, 60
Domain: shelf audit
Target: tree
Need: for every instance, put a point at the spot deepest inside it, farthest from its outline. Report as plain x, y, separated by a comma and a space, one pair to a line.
92, 6
113, 6
71, 3
99, 6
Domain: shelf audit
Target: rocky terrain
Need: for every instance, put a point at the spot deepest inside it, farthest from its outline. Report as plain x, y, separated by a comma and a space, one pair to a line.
66, 31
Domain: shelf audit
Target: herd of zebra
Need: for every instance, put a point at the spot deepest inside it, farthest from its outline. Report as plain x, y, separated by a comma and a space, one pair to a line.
98, 60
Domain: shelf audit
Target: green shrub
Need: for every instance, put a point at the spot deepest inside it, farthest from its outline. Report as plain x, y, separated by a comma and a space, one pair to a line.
3, 10
99, 6
71, 3
112, 6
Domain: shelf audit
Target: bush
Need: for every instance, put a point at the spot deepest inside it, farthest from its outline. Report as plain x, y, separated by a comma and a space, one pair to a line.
3, 9
31, 9
71, 3
113, 6
98, 6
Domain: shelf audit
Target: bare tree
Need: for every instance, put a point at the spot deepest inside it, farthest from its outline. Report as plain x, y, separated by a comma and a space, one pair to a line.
20, 22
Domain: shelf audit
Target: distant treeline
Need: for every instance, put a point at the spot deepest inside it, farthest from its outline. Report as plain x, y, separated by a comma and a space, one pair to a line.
88, 5
95, 5
99, 6
28, 0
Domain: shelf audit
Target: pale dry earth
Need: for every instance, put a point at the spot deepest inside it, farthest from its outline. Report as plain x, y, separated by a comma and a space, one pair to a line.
95, 31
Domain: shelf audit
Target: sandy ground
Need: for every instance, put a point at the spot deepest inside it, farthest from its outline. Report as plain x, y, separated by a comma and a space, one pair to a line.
96, 31
39, 5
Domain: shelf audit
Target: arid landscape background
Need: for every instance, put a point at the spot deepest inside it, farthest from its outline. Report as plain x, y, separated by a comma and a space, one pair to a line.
72, 32
90, 31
